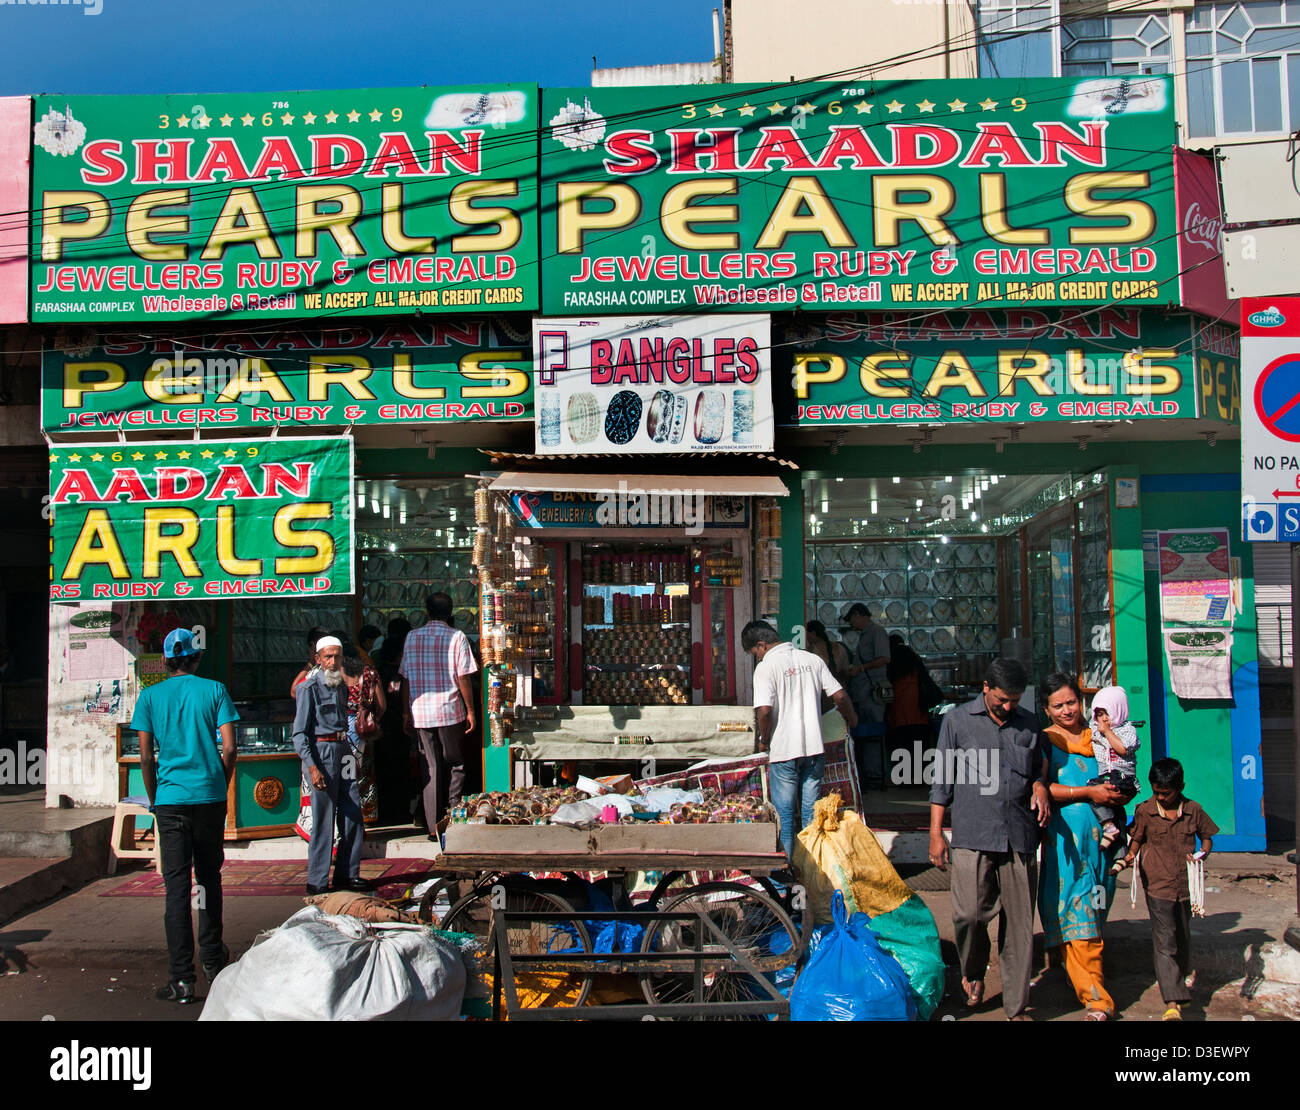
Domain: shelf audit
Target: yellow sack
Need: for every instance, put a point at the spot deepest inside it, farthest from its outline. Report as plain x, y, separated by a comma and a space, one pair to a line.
836, 851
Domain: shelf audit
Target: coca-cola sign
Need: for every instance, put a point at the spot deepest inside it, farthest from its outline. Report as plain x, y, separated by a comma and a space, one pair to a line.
1202, 226
1201, 280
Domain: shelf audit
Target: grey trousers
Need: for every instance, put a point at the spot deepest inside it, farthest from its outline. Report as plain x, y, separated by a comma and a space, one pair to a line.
1003, 885
447, 749
1171, 939
341, 802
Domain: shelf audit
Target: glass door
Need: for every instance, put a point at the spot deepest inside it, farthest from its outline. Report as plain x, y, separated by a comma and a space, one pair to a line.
540, 667
721, 579
1050, 544
636, 624
1095, 610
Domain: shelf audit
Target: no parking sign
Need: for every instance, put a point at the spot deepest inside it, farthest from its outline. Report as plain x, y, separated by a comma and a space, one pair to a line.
1270, 418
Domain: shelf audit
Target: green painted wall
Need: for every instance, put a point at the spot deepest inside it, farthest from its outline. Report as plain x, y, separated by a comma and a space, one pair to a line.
1208, 738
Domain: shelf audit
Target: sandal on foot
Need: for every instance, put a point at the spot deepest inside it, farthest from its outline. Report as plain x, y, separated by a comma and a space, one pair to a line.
1096, 1015
1174, 1013
974, 989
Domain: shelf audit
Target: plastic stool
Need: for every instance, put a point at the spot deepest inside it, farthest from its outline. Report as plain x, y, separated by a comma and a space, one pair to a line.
124, 817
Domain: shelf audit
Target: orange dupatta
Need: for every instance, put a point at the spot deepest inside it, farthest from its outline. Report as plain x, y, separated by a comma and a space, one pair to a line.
1072, 745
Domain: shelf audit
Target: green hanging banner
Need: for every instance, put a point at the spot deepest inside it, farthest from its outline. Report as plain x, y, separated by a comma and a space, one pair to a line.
201, 519
340, 202
871, 196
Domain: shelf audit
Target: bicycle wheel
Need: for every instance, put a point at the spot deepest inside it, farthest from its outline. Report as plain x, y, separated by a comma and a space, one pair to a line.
752, 922
802, 917
537, 986
443, 893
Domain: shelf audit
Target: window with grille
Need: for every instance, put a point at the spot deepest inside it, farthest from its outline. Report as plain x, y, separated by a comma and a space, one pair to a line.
1124, 46
1017, 38
1243, 67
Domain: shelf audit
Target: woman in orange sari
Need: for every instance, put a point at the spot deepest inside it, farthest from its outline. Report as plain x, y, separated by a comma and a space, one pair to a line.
1076, 888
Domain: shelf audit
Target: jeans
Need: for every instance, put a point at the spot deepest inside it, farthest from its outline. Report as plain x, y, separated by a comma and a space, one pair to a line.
191, 836
338, 802
791, 778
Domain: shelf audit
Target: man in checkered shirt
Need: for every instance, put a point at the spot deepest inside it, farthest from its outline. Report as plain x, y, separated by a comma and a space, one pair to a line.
437, 664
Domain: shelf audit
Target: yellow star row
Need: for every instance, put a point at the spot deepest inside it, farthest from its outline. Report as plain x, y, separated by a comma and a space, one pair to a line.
807, 108
138, 456
286, 118
862, 107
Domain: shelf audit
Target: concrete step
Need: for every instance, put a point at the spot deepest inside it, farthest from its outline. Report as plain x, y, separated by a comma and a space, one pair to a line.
30, 829
28, 882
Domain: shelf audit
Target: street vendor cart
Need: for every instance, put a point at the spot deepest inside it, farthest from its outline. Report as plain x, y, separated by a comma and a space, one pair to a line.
710, 940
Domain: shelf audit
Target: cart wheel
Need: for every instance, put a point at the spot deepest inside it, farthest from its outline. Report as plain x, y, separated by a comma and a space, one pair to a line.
672, 883
754, 924
443, 892
537, 987
803, 918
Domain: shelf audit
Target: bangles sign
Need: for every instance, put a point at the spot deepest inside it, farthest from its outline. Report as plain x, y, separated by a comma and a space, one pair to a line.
408, 371
201, 519
669, 385
265, 206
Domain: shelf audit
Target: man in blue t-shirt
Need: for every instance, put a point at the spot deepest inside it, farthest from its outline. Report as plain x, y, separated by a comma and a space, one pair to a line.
181, 718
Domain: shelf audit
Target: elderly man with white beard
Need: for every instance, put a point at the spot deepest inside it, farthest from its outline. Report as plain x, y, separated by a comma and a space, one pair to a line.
320, 737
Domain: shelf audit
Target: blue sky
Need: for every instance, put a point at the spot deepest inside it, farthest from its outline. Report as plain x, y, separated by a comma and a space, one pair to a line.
157, 46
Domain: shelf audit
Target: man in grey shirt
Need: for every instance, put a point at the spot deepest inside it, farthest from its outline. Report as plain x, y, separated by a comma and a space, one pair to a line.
320, 737
870, 658
991, 769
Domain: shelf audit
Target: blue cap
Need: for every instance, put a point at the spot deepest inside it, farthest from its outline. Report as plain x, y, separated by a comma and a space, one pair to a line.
179, 644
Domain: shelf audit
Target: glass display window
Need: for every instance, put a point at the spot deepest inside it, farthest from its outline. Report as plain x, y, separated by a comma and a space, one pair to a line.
660, 622
414, 537
636, 624
967, 566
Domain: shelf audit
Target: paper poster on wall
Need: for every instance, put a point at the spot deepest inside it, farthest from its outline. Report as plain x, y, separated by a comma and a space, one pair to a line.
94, 652
1197, 610
1195, 579
1200, 662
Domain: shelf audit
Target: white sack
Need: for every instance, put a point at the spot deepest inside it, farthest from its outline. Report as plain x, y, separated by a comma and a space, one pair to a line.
322, 967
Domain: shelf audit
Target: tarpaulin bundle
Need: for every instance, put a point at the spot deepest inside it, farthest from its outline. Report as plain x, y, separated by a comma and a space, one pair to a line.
836, 852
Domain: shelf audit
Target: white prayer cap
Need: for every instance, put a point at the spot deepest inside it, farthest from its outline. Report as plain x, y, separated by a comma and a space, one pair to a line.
328, 641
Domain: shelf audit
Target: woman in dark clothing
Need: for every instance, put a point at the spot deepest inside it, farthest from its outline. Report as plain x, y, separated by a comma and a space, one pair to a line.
907, 719
393, 755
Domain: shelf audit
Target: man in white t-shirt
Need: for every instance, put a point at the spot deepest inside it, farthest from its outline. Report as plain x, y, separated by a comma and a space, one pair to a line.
788, 688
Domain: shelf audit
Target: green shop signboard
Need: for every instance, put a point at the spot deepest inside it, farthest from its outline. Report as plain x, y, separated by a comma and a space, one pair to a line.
414, 370
816, 196
1012, 366
265, 206
201, 519
1218, 372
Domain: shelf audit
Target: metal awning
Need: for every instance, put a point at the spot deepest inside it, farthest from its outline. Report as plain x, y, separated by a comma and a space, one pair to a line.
710, 485
736, 458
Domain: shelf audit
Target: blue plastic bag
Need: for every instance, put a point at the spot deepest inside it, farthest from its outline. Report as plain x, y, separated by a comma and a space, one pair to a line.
606, 936
850, 977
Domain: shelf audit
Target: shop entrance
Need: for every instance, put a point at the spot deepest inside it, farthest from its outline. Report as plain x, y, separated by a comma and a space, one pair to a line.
959, 569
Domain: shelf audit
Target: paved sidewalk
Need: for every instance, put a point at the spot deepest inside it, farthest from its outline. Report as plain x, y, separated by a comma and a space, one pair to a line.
1250, 899
86, 956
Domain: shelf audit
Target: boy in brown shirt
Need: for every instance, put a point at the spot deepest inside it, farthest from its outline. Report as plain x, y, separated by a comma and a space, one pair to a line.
1165, 830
